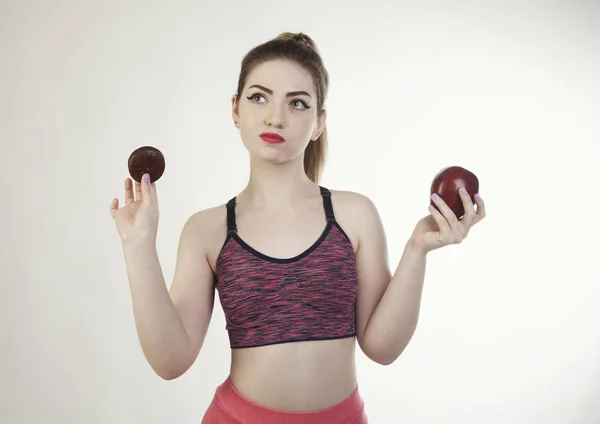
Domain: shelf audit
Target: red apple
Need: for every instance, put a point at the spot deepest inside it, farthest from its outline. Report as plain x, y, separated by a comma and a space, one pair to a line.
448, 181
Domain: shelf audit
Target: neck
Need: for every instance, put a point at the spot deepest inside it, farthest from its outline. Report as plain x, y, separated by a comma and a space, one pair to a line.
276, 184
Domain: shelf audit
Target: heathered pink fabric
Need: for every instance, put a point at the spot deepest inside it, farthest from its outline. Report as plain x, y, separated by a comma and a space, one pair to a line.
269, 300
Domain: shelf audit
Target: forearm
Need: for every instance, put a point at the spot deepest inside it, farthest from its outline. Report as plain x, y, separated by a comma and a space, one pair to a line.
395, 318
161, 333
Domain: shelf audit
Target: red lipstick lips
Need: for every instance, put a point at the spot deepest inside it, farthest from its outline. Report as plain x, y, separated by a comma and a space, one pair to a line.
272, 138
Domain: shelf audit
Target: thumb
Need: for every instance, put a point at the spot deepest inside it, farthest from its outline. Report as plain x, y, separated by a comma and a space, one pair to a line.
114, 207
146, 190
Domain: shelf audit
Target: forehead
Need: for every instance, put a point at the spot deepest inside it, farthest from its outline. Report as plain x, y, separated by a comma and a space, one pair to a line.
281, 76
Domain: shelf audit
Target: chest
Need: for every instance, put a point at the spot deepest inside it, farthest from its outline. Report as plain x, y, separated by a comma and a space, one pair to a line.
281, 236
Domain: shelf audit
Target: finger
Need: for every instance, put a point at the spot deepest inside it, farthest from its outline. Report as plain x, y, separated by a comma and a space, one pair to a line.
139, 194
440, 220
480, 214
146, 189
114, 206
128, 191
153, 192
444, 209
436, 239
469, 207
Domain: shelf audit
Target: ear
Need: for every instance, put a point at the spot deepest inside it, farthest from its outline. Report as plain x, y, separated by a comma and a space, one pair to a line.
320, 126
235, 111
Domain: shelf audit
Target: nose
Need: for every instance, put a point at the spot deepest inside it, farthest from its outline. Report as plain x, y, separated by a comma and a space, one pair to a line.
275, 116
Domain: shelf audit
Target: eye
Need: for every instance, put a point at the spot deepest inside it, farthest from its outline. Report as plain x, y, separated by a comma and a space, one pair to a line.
300, 103
254, 96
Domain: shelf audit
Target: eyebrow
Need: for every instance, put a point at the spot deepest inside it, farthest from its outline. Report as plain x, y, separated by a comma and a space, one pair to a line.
290, 94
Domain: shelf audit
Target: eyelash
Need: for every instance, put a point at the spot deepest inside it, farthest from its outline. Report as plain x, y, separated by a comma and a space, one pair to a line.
295, 100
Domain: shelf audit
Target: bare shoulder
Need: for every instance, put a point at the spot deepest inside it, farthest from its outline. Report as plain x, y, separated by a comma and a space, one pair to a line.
208, 227
206, 219
351, 199
356, 213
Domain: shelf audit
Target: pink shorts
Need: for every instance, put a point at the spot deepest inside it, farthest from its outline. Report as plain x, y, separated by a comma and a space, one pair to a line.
229, 406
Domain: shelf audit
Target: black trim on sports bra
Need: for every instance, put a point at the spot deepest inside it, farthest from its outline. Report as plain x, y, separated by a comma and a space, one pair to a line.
327, 204
232, 230
232, 226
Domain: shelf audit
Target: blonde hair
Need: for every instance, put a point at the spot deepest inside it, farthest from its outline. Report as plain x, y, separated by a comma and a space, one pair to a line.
300, 48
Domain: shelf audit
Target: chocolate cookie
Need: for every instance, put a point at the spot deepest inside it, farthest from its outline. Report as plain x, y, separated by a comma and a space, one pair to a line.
146, 159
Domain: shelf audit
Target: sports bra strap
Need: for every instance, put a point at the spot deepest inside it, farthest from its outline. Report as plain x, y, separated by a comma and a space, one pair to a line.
327, 204
231, 225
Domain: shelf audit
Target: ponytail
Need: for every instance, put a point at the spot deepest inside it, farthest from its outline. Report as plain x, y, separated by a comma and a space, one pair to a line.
314, 157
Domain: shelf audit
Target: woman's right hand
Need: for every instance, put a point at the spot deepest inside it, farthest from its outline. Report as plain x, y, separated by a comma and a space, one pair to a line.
137, 219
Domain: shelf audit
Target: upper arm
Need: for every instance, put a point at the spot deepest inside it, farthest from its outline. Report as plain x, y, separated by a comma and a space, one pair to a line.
192, 291
371, 260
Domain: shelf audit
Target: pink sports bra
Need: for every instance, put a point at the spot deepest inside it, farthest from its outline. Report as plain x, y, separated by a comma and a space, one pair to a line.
267, 300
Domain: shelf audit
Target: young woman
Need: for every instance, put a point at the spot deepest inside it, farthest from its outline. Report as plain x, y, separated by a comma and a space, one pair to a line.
301, 271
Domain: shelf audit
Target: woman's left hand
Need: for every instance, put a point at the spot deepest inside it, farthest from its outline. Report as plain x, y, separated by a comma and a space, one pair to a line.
441, 228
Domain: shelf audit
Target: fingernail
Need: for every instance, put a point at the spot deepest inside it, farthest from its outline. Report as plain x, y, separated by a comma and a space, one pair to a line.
147, 178
464, 190
435, 196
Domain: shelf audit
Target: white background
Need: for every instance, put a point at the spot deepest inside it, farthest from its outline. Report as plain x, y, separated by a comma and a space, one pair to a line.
508, 331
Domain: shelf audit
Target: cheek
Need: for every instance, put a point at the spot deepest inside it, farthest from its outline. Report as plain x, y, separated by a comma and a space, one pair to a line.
248, 132
307, 124
245, 135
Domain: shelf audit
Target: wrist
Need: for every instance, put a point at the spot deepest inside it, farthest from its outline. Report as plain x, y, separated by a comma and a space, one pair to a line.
415, 245
139, 245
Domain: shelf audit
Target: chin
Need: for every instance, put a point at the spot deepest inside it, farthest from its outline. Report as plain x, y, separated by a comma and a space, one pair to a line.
272, 155
279, 153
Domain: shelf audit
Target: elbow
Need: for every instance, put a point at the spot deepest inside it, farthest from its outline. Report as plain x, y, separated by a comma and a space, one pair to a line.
172, 371
382, 352
387, 361
381, 355
166, 373
169, 374
383, 359
173, 366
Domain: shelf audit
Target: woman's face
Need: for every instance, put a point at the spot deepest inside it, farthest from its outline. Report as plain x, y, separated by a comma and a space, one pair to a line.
278, 98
